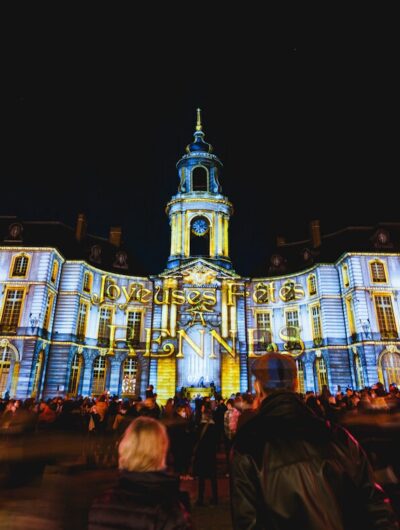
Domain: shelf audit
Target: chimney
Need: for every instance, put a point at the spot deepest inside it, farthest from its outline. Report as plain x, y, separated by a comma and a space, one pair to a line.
280, 241
80, 231
315, 232
115, 236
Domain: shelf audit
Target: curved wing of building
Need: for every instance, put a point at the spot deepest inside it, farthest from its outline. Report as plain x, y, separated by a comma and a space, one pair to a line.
75, 320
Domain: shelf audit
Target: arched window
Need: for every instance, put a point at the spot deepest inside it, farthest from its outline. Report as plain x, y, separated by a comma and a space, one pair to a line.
199, 179
5, 367
87, 282
129, 376
54, 272
391, 368
321, 372
312, 285
99, 375
75, 374
300, 376
37, 376
19, 267
345, 275
378, 272
358, 370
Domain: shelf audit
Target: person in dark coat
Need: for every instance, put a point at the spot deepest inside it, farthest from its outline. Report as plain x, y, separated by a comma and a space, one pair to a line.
291, 469
145, 497
205, 455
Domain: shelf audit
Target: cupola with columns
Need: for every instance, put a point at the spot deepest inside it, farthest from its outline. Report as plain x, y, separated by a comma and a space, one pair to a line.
199, 214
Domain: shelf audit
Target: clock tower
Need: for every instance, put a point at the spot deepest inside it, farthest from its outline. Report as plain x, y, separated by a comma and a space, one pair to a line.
199, 214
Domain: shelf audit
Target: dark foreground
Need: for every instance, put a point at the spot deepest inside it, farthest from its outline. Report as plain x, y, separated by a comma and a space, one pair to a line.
61, 499
48, 482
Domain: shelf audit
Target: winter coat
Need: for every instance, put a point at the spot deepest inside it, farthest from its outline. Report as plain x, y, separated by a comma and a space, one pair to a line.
145, 501
291, 470
205, 451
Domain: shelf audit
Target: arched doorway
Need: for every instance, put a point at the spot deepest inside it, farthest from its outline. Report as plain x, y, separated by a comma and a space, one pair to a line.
5, 369
9, 368
300, 376
100, 370
320, 373
200, 236
129, 376
75, 375
390, 367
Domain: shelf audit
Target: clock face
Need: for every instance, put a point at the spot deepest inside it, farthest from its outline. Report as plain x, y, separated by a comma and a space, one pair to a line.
200, 226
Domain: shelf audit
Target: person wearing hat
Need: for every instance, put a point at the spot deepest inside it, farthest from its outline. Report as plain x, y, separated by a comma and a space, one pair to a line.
291, 469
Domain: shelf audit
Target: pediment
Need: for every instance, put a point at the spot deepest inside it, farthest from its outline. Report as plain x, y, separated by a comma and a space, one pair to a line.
200, 272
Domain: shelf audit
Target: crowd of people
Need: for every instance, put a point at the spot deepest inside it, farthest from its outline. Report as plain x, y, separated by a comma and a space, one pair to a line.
197, 430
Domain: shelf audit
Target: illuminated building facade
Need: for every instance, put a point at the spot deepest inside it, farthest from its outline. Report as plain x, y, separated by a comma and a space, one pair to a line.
75, 320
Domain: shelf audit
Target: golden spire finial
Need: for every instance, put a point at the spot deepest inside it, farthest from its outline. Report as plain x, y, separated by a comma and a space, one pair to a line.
198, 124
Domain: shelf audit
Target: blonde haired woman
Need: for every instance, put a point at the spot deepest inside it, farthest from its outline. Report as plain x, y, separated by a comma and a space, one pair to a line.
146, 497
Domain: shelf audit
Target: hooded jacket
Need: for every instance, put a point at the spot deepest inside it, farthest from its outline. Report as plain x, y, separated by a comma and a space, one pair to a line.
293, 470
145, 501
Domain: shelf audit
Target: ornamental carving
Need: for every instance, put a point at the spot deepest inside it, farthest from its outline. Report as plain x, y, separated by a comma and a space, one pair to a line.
199, 275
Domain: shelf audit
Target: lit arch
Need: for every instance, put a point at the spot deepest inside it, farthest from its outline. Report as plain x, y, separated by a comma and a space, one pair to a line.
9, 367
389, 366
200, 178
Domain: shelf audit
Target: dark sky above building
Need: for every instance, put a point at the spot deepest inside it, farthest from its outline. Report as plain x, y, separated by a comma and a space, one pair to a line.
96, 111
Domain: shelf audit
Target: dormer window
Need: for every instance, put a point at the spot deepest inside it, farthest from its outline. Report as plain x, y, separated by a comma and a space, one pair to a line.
199, 179
19, 266
378, 271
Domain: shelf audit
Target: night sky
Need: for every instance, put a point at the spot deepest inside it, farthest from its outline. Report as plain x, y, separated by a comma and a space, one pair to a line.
96, 113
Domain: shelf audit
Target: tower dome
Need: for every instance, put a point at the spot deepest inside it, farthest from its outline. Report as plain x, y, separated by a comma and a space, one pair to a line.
199, 213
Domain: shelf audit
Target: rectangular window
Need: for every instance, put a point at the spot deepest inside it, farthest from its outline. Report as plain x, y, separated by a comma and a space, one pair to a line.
385, 315
82, 320
87, 282
47, 314
316, 322
12, 310
292, 324
105, 320
292, 318
54, 272
264, 331
134, 324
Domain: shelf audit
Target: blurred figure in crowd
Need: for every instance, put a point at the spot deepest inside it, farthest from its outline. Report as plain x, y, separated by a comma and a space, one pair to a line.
205, 454
145, 497
291, 469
